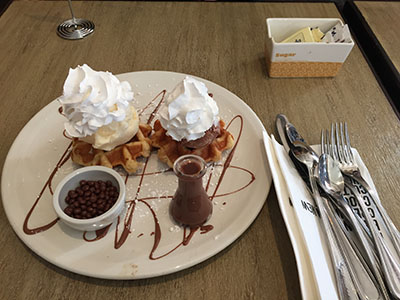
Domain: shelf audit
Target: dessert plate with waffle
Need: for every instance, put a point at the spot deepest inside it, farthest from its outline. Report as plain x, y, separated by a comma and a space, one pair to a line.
138, 123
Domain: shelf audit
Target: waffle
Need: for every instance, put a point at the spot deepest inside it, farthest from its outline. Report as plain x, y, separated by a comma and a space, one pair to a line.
125, 155
169, 149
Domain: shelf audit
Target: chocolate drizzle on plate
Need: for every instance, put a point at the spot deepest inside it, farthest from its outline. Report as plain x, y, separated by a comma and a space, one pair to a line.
123, 223
48, 184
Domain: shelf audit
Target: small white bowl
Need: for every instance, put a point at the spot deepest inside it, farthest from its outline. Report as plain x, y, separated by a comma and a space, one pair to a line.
71, 181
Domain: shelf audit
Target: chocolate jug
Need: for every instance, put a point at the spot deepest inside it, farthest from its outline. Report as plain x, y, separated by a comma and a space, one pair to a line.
190, 205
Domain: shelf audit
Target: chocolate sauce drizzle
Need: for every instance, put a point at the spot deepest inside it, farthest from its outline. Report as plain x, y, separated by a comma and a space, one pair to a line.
120, 238
48, 183
99, 234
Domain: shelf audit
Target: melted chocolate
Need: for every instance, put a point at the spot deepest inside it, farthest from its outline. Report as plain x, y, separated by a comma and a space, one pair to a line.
191, 168
66, 136
152, 115
59, 164
208, 137
99, 234
119, 240
230, 156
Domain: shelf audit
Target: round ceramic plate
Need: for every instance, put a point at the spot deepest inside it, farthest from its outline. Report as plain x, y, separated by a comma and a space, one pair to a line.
154, 245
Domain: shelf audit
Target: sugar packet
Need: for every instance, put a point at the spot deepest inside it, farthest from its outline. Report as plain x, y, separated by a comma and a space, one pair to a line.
338, 34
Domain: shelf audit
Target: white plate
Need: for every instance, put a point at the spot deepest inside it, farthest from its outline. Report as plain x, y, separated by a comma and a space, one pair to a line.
41, 143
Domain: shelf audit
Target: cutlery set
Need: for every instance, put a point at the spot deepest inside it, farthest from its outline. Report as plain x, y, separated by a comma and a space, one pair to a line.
363, 242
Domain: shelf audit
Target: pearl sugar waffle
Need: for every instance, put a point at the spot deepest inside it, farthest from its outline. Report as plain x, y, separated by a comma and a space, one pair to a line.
125, 155
169, 149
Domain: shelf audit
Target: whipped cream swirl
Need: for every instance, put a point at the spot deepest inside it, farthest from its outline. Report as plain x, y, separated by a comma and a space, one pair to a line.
188, 111
92, 100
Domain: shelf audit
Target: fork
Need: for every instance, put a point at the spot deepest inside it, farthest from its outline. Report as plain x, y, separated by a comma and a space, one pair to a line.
367, 246
341, 151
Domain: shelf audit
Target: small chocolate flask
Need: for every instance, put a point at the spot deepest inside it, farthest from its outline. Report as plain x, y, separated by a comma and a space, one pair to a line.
190, 205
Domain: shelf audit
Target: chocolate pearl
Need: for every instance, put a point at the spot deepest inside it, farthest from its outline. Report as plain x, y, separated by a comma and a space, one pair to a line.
68, 210
100, 206
77, 211
92, 189
72, 194
75, 204
85, 188
83, 207
68, 200
91, 183
88, 203
108, 183
90, 209
107, 207
96, 185
83, 182
103, 187
81, 200
102, 195
87, 193
94, 205
79, 191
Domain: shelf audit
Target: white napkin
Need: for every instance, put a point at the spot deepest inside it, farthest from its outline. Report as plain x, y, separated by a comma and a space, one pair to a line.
315, 268
317, 278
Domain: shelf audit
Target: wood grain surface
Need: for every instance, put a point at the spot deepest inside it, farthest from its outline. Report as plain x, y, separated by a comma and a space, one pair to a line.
383, 18
222, 42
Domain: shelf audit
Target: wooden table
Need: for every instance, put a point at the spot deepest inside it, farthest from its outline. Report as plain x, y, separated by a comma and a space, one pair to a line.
224, 43
383, 18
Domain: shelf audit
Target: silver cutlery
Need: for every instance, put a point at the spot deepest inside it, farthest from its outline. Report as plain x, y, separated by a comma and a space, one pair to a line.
360, 276
347, 265
331, 179
340, 149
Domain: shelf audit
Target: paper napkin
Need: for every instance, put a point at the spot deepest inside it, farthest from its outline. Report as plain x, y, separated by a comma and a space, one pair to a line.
317, 278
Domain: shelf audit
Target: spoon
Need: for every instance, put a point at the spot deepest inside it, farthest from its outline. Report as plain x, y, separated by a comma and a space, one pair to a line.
332, 181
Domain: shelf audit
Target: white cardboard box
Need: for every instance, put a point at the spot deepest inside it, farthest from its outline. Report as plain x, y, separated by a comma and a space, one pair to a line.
303, 59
